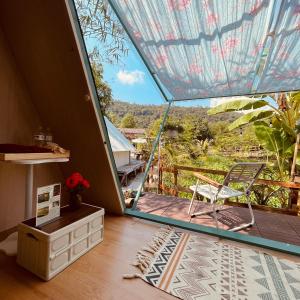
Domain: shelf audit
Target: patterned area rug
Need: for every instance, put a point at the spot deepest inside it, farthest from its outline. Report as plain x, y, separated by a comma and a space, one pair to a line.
191, 266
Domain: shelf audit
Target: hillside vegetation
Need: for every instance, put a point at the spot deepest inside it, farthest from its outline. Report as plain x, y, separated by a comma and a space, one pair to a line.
145, 115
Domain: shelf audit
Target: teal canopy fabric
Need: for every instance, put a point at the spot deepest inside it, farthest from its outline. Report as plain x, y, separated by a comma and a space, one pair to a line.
212, 48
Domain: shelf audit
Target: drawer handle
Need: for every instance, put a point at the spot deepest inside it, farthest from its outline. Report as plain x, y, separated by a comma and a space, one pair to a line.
62, 250
31, 236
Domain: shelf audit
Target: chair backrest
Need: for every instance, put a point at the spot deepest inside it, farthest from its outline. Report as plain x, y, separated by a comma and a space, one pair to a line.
244, 172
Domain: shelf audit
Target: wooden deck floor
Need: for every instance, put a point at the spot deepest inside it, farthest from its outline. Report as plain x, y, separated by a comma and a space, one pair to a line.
279, 227
98, 273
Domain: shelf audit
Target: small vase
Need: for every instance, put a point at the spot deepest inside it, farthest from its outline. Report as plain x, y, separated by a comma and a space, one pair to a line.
75, 201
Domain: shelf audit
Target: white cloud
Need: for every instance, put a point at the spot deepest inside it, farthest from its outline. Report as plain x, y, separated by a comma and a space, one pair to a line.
127, 77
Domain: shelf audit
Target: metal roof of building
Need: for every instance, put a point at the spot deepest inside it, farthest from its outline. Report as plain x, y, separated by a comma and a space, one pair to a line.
133, 130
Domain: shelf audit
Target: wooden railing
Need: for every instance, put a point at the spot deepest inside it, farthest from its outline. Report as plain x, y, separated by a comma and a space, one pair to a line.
293, 205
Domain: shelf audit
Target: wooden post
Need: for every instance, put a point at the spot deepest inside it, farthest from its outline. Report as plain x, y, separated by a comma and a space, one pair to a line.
160, 170
294, 193
146, 186
175, 173
293, 198
298, 205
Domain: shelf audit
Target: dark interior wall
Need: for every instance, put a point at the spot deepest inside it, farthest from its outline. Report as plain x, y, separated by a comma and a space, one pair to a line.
40, 40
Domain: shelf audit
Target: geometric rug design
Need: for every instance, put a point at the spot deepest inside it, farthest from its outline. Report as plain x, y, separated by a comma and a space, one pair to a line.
189, 266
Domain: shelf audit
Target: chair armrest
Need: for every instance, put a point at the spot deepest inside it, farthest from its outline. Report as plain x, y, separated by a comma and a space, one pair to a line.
208, 180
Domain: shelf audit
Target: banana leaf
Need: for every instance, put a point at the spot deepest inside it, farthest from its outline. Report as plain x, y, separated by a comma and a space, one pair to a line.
250, 117
289, 130
275, 140
239, 104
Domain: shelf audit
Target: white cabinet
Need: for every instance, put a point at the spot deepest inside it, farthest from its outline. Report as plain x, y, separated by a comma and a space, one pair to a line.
50, 248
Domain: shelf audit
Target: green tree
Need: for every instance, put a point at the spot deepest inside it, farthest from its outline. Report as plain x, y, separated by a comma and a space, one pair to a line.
103, 89
146, 114
113, 118
218, 128
154, 128
128, 121
99, 24
196, 129
101, 28
172, 125
171, 146
237, 140
275, 127
190, 142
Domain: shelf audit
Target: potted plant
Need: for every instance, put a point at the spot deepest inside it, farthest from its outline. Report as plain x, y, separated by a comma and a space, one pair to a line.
76, 184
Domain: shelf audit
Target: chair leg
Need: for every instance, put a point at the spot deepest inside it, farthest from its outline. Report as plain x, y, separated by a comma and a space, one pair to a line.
251, 212
193, 198
215, 214
243, 226
208, 212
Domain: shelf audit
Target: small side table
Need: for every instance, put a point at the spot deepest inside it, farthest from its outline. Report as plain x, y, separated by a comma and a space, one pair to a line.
9, 245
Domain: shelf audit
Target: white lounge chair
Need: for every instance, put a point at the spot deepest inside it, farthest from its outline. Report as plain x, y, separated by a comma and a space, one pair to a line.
245, 173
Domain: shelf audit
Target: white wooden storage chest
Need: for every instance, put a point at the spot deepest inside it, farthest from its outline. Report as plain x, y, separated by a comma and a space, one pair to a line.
50, 248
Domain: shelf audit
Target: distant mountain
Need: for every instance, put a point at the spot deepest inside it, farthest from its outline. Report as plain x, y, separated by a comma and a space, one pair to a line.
146, 114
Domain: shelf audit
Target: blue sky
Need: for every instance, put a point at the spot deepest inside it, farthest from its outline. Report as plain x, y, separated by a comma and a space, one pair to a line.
131, 82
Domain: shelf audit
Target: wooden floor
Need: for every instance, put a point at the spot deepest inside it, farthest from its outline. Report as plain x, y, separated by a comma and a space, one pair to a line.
279, 227
97, 274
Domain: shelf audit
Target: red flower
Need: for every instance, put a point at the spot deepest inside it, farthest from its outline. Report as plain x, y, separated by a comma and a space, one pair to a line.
71, 183
85, 183
77, 176
76, 181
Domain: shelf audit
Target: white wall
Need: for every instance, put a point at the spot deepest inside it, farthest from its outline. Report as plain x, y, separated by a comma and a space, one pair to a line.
121, 158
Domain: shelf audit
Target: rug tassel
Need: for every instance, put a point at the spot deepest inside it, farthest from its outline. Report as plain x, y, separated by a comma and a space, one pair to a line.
144, 261
132, 276
140, 266
148, 249
158, 240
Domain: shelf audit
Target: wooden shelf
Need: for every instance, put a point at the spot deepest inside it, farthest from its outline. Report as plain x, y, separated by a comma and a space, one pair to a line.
32, 156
